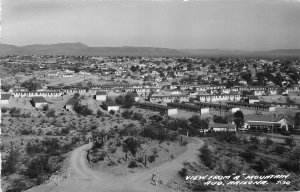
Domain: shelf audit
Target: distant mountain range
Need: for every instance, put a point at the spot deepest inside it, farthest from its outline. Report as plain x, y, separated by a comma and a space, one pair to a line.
77, 49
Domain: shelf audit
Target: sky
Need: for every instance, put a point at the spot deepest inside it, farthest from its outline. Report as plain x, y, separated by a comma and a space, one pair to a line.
251, 25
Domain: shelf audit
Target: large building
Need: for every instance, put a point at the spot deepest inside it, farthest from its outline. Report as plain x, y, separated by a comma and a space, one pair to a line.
161, 108
218, 97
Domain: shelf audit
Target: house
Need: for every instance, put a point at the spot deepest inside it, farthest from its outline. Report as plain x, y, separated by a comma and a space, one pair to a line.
188, 107
221, 127
255, 106
38, 102
4, 98
101, 96
268, 123
252, 99
110, 106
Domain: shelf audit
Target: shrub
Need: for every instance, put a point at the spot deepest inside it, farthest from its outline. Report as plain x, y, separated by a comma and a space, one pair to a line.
82, 109
127, 114
151, 158
206, 157
46, 108
248, 155
137, 116
15, 112
112, 112
9, 166
291, 165
183, 172
112, 163
131, 144
279, 149
17, 186
268, 141
51, 113
261, 165
132, 164
254, 140
4, 109
38, 166
290, 141
229, 137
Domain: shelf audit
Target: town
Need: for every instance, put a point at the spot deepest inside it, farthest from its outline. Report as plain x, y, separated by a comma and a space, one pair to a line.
64, 102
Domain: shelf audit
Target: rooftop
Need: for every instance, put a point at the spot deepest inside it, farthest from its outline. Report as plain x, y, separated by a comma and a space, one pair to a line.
39, 99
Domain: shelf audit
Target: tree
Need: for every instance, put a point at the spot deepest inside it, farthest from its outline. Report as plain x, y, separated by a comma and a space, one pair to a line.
129, 100
238, 118
297, 119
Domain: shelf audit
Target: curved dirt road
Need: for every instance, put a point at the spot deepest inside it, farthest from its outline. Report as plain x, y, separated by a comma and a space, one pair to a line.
85, 179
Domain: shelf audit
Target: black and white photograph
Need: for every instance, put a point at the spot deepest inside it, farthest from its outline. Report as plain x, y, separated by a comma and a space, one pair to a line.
150, 95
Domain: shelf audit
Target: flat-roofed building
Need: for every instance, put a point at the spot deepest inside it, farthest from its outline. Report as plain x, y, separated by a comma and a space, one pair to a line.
39, 102
155, 107
101, 96
110, 106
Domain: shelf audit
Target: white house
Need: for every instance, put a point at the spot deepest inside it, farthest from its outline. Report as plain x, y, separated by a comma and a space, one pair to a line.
111, 106
38, 102
101, 96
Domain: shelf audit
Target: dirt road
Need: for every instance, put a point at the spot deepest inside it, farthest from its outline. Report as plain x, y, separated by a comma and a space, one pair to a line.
85, 179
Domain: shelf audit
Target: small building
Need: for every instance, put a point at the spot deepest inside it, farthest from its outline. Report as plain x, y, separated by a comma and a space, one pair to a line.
110, 106
188, 107
252, 99
101, 96
38, 102
221, 127
4, 98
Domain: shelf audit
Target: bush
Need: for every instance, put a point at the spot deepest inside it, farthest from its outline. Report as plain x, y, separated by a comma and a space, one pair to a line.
131, 144
15, 112
183, 172
248, 155
290, 141
268, 141
229, 137
97, 145
17, 186
207, 157
261, 165
151, 158
279, 149
9, 166
51, 114
46, 108
127, 114
112, 163
132, 164
37, 167
291, 165
112, 112
82, 109
4, 109
137, 116
254, 140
